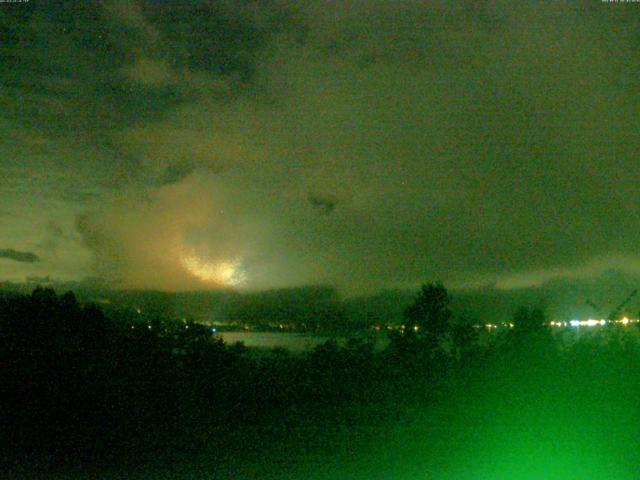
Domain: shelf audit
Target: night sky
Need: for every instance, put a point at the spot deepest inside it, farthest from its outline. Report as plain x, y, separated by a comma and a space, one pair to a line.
363, 144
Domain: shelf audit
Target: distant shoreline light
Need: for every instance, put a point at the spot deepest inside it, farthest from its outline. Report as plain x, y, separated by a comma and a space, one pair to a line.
571, 323
594, 323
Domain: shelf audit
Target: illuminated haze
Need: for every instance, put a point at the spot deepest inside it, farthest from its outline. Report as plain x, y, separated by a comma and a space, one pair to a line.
356, 143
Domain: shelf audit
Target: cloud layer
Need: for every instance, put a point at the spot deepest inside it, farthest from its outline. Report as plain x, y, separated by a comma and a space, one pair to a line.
362, 144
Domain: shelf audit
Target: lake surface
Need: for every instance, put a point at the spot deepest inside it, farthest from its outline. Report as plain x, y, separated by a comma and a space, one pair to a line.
295, 342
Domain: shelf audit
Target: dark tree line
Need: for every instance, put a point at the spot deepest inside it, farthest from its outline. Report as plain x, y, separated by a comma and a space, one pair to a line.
79, 384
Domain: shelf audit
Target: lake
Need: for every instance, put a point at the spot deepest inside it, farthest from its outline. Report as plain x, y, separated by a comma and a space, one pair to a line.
295, 342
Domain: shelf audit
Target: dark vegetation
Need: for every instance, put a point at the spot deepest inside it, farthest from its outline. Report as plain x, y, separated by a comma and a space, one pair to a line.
79, 388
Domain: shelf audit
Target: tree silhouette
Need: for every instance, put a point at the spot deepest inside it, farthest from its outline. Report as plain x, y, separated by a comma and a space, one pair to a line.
464, 339
528, 320
430, 312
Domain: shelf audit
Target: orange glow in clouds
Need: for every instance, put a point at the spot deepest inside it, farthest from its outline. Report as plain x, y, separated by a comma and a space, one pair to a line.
226, 273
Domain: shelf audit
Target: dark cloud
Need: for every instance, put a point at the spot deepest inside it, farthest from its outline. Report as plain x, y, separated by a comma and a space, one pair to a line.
25, 257
325, 203
93, 69
177, 172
